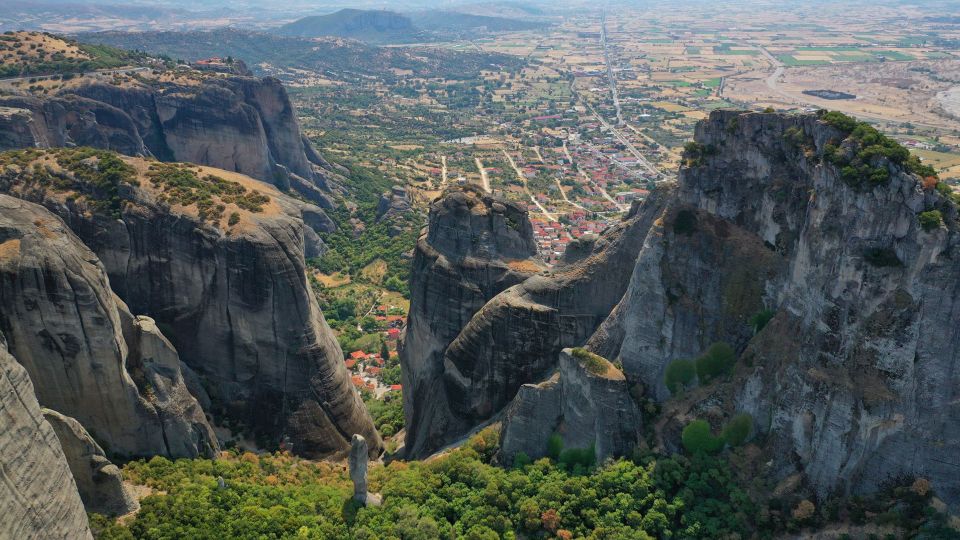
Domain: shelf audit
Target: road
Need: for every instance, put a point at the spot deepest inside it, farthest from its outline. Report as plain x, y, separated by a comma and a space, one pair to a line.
611, 80
483, 174
626, 142
443, 172
523, 179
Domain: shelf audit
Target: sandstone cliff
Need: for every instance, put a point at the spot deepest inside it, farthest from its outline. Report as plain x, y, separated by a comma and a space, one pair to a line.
855, 375
38, 496
474, 247
516, 336
86, 355
814, 221
240, 124
587, 404
98, 480
220, 267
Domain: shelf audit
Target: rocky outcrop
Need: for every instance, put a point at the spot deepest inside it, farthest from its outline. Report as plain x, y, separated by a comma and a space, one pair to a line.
232, 296
358, 458
240, 124
86, 354
855, 375
393, 204
475, 246
98, 480
587, 403
516, 336
38, 496
68, 121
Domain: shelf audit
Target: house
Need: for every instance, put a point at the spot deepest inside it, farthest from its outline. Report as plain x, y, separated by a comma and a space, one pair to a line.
395, 387
393, 334
350, 364
358, 355
373, 370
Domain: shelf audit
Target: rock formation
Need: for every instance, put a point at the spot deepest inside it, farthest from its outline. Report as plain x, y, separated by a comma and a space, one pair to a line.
98, 480
38, 496
394, 203
474, 247
85, 353
516, 336
240, 124
855, 374
808, 218
359, 456
587, 403
230, 293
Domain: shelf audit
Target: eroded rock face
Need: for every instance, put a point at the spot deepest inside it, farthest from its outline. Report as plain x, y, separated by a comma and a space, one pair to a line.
98, 480
240, 124
234, 301
38, 495
588, 407
475, 246
515, 338
856, 373
85, 352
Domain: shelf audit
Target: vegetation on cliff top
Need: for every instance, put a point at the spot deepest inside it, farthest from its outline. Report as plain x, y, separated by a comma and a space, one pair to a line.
858, 156
34, 53
95, 177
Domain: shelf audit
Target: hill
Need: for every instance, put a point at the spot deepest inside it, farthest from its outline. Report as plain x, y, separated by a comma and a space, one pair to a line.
287, 58
455, 22
25, 54
371, 26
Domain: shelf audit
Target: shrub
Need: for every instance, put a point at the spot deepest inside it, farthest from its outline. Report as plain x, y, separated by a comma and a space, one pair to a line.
685, 222
718, 360
554, 446
882, 257
679, 374
234, 219
738, 429
697, 438
930, 220
593, 363
760, 319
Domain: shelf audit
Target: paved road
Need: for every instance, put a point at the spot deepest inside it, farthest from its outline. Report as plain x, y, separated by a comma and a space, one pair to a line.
443, 171
611, 80
626, 142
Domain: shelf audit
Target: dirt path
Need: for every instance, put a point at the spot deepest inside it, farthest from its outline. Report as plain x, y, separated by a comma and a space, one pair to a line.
483, 174
523, 179
443, 172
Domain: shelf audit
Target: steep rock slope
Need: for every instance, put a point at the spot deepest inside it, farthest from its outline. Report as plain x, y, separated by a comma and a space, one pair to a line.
38, 496
855, 376
98, 480
474, 247
220, 266
516, 336
85, 353
586, 403
240, 124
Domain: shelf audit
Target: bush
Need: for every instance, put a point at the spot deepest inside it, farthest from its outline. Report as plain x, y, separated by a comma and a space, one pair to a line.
593, 363
760, 320
718, 360
697, 438
930, 220
738, 429
554, 446
679, 374
685, 222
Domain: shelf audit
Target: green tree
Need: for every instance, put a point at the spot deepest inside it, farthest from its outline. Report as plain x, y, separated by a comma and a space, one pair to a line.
717, 360
679, 374
738, 429
697, 438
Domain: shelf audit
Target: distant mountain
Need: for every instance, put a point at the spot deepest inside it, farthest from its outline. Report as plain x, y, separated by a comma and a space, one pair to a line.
289, 57
372, 26
445, 22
